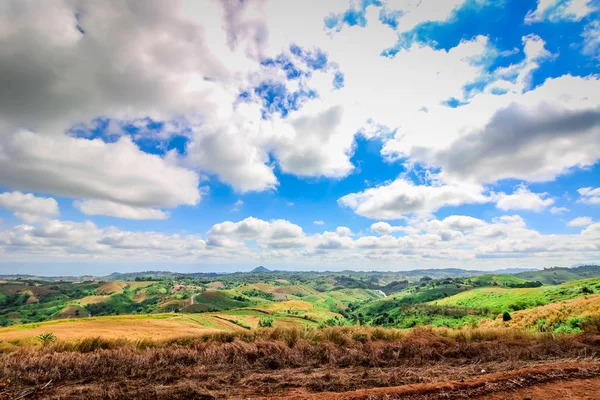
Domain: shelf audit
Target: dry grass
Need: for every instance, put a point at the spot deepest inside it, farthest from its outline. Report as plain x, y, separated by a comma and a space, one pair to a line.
275, 361
134, 327
588, 306
111, 288
84, 301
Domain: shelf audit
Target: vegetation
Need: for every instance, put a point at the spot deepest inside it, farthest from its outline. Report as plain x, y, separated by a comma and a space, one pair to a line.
371, 328
270, 362
46, 338
272, 298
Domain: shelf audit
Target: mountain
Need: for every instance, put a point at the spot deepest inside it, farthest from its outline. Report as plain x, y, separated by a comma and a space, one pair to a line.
260, 270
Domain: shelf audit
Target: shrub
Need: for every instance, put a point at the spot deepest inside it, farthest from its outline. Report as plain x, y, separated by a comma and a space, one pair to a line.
265, 322
506, 316
46, 338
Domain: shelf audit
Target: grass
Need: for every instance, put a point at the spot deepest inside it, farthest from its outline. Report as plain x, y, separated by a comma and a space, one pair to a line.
505, 299
111, 288
246, 363
149, 326
553, 316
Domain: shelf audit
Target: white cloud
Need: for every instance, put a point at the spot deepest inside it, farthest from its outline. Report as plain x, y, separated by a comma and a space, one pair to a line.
560, 10
417, 12
343, 231
186, 65
522, 199
580, 221
457, 240
237, 205
589, 195
401, 197
118, 172
318, 222
559, 210
383, 228
275, 233
242, 165
28, 207
591, 39
103, 207
463, 223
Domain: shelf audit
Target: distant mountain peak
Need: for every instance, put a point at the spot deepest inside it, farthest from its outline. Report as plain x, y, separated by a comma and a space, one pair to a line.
260, 269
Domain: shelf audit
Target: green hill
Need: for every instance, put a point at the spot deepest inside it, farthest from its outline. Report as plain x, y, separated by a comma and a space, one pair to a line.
558, 275
498, 299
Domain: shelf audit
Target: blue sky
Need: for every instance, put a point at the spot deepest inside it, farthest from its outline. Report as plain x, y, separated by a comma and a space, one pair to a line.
372, 135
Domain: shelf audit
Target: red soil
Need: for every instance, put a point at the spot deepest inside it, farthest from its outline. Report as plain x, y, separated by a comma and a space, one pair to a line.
571, 380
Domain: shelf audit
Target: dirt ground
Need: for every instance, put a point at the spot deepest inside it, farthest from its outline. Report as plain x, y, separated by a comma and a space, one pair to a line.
564, 381
576, 389
571, 380
421, 365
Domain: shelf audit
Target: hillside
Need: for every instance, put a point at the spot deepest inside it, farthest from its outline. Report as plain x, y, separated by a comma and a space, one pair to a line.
511, 299
375, 298
557, 275
323, 335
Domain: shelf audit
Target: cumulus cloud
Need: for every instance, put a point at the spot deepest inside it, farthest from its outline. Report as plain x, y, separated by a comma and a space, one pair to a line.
457, 240
589, 195
400, 197
319, 222
84, 62
559, 210
275, 233
28, 207
508, 146
75, 167
109, 208
383, 228
580, 221
463, 222
343, 231
523, 199
314, 145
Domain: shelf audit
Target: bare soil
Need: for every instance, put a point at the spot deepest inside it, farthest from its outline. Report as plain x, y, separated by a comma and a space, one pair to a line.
421, 365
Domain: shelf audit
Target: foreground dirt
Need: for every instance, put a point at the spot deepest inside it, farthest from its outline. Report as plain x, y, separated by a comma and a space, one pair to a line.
567, 380
574, 380
419, 365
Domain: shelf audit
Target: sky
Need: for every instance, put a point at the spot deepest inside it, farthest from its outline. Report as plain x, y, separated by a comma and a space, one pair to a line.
200, 136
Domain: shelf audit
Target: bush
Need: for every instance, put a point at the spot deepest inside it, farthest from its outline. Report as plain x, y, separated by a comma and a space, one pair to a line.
506, 316
265, 322
46, 338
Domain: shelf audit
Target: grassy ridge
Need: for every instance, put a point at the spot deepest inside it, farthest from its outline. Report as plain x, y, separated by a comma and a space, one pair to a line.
315, 299
508, 299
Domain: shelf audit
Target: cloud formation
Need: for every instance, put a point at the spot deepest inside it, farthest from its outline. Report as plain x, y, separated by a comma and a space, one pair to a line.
28, 207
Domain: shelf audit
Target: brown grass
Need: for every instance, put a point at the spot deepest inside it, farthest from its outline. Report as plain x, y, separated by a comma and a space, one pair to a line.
111, 288
116, 327
582, 307
277, 362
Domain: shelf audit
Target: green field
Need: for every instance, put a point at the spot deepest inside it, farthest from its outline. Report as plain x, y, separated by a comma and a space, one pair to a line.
508, 299
277, 298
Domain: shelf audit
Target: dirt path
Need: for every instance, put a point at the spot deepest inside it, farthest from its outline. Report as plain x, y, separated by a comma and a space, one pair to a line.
576, 389
573, 380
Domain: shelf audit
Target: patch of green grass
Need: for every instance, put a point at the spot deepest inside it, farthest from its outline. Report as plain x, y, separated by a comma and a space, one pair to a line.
505, 299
